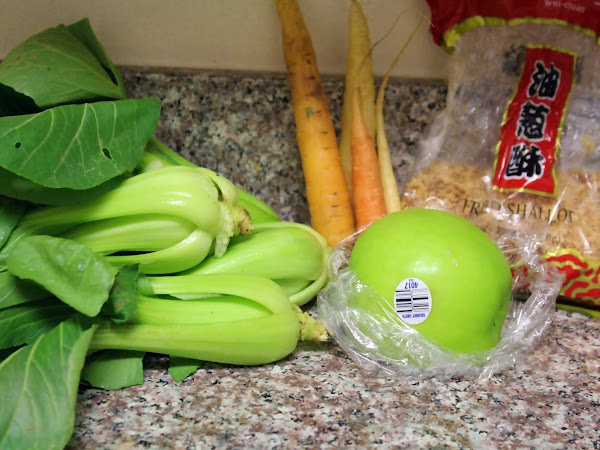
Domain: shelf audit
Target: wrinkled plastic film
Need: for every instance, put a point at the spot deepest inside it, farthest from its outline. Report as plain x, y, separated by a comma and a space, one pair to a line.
383, 345
546, 238
455, 167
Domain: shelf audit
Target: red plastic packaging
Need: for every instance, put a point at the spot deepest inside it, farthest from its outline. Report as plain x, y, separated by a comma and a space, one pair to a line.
517, 148
449, 18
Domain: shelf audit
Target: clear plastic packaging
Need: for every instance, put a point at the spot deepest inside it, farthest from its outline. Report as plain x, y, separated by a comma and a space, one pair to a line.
456, 170
516, 152
383, 345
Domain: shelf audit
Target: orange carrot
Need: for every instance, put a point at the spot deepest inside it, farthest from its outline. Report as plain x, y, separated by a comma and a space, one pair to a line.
359, 73
369, 204
326, 190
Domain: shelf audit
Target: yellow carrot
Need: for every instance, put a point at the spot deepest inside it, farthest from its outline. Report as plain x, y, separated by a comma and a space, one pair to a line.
388, 179
326, 190
367, 191
359, 73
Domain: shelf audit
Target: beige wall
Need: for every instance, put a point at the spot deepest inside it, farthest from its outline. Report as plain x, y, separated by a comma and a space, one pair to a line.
227, 34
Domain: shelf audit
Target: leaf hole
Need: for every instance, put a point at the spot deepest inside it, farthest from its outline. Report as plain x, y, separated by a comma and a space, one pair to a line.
106, 153
18, 144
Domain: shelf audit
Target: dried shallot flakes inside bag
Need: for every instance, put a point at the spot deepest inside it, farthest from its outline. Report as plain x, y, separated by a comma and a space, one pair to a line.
517, 148
383, 345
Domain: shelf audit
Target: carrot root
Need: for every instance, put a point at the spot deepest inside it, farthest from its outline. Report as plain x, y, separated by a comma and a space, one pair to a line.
388, 178
369, 204
326, 189
359, 73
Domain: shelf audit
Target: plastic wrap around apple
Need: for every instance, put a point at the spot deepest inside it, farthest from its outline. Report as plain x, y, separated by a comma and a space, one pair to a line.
441, 274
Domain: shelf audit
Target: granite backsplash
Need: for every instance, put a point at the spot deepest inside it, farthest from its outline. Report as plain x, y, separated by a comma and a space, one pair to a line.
241, 126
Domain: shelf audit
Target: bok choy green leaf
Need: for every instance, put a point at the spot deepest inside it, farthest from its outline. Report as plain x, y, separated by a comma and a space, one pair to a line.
72, 272
48, 369
78, 146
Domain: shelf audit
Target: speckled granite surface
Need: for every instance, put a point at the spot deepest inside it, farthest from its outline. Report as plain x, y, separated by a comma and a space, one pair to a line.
242, 127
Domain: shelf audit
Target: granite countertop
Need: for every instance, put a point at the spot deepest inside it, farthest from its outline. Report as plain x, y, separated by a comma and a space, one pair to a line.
241, 125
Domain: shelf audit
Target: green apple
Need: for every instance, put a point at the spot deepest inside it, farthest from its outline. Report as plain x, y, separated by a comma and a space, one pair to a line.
439, 273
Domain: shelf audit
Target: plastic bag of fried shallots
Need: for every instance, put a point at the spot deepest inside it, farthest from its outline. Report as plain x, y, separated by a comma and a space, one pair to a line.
517, 148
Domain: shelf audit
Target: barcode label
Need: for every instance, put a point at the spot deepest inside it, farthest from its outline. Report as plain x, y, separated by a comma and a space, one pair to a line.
412, 301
